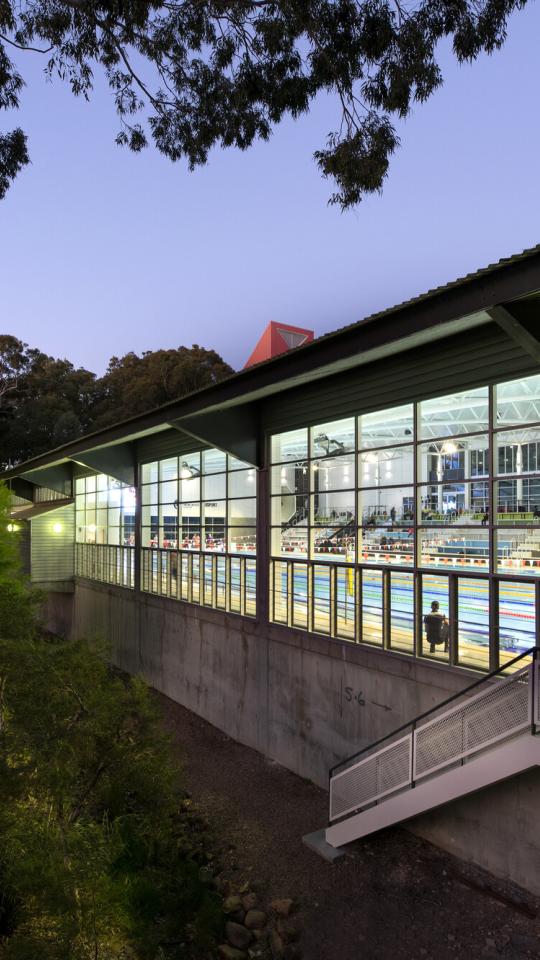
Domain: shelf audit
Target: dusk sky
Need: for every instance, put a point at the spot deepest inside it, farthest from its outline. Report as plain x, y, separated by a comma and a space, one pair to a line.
103, 251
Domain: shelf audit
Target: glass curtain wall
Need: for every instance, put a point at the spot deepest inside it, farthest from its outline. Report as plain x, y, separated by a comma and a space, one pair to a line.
415, 528
198, 533
105, 530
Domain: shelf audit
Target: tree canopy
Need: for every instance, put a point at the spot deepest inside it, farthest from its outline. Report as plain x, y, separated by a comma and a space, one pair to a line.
45, 402
190, 75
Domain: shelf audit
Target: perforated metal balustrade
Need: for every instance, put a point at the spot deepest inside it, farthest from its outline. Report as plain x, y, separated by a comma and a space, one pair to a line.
491, 711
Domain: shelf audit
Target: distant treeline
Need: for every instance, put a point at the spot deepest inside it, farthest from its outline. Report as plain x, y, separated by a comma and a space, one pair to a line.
45, 402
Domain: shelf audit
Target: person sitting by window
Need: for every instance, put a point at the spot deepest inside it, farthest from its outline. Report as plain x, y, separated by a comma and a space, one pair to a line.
436, 626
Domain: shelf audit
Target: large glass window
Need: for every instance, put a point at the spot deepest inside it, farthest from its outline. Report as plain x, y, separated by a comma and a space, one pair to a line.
397, 509
104, 511
385, 428
455, 414
313, 509
105, 530
518, 401
200, 502
464, 548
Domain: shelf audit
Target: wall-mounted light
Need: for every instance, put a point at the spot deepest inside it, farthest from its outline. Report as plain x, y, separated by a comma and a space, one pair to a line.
57, 527
251, 476
12, 528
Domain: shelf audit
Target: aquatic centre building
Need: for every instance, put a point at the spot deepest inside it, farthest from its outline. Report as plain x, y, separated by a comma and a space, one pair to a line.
265, 550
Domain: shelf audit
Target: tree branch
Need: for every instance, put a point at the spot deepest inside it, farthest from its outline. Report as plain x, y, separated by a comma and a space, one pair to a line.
19, 46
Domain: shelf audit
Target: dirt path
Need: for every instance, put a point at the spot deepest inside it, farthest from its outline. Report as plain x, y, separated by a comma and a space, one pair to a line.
394, 897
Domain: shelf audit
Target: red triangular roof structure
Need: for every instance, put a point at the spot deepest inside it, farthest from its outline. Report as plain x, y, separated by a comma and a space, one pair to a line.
276, 339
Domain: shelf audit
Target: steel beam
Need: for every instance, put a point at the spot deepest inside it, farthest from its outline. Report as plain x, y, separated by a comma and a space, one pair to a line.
507, 321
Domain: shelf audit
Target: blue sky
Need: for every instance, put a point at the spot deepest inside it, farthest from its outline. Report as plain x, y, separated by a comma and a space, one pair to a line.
102, 251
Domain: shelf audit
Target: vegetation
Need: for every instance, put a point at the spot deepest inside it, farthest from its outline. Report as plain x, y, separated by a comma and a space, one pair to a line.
96, 861
194, 74
46, 402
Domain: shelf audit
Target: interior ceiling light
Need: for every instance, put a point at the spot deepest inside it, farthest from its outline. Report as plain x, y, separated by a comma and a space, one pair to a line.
322, 440
449, 446
187, 472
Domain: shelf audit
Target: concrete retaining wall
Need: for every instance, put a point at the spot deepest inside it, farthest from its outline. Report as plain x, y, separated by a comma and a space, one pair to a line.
307, 702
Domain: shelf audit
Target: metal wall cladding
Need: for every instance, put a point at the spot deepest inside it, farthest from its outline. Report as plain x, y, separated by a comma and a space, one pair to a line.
53, 545
166, 443
24, 545
484, 355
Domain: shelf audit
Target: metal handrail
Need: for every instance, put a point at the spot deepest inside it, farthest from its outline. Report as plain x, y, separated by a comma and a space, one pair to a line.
531, 652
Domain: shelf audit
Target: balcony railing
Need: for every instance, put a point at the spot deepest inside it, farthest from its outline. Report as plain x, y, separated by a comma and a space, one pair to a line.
106, 563
223, 582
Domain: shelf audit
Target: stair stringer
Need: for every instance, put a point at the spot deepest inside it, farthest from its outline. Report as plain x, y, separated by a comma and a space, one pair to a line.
494, 765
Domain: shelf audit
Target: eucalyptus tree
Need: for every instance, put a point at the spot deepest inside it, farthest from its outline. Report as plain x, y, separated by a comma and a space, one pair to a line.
189, 75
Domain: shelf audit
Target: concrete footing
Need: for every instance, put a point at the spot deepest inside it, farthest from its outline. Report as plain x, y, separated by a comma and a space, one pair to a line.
317, 842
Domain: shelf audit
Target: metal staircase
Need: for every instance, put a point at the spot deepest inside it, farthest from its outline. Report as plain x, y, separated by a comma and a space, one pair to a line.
485, 734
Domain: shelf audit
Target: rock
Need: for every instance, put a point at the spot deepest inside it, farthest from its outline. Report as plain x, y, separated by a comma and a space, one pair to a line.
249, 901
282, 907
255, 919
237, 935
276, 945
232, 904
231, 953
237, 916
